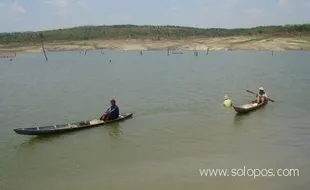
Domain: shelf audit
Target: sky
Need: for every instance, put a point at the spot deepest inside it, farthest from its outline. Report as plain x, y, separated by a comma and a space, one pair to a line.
35, 15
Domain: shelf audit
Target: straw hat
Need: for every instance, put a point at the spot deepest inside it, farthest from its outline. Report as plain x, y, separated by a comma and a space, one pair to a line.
113, 99
261, 88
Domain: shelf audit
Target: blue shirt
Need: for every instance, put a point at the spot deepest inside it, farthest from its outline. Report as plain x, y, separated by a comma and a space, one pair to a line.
113, 112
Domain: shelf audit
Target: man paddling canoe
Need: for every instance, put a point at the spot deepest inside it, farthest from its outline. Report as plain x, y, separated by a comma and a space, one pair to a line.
262, 96
111, 113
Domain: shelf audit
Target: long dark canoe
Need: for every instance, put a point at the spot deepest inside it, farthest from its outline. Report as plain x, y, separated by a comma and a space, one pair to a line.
249, 107
57, 129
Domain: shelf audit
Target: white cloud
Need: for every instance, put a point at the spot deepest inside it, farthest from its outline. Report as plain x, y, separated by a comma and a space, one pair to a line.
62, 7
175, 8
283, 2
292, 2
125, 18
18, 8
13, 7
82, 4
198, 13
229, 4
58, 3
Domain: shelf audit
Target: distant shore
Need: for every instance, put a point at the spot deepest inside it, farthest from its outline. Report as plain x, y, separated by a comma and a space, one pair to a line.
199, 44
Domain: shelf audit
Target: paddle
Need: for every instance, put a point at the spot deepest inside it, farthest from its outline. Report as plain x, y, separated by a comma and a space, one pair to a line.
257, 95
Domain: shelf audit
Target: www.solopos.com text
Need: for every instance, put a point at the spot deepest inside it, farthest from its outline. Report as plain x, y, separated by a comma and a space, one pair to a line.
248, 172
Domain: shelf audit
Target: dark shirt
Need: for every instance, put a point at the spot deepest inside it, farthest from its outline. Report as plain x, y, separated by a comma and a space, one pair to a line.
262, 93
113, 112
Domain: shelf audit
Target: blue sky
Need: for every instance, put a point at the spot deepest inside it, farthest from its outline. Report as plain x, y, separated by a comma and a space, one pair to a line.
33, 15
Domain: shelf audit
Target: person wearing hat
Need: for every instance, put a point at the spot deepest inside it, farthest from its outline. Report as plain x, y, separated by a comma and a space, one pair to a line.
262, 96
227, 102
111, 113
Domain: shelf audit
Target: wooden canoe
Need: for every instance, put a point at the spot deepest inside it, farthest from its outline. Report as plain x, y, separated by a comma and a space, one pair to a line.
249, 107
63, 128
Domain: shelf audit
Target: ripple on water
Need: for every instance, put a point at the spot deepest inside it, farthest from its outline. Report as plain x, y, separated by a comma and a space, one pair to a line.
179, 123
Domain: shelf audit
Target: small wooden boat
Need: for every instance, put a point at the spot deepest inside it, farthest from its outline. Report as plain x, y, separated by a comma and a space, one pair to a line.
246, 108
57, 129
176, 52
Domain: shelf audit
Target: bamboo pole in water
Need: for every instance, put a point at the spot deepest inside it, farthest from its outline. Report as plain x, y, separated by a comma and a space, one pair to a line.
42, 44
44, 50
195, 52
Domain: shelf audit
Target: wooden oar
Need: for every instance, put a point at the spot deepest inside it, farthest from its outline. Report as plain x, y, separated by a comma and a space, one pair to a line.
257, 95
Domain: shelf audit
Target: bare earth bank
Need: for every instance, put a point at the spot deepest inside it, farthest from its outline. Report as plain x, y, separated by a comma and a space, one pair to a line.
213, 44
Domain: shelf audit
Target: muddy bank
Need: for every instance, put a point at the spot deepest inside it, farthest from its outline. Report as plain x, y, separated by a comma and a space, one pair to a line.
213, 44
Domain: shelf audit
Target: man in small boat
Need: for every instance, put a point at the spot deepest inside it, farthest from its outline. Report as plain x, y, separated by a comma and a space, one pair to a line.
262, 96
111, 113
227, 102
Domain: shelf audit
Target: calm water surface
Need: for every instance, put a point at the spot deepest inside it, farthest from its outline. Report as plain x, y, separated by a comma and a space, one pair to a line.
179, 124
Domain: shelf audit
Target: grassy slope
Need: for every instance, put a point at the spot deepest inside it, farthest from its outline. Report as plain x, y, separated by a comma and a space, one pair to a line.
131, 37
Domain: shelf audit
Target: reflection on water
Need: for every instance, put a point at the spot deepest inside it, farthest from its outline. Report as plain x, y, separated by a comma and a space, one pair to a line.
239, 118
181, 125
32, 141
114, 129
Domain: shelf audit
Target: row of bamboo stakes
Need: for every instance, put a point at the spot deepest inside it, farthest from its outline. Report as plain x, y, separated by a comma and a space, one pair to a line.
102, 53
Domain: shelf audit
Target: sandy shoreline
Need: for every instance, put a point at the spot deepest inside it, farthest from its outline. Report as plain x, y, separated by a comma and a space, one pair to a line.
202, 44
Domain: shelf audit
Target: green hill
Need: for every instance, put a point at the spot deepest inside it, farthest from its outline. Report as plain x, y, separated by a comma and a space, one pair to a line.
149, 32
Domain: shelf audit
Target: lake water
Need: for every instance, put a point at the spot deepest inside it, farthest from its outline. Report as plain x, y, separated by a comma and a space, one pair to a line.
179, 124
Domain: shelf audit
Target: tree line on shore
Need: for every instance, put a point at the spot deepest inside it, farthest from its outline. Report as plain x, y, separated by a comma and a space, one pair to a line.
149, 32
